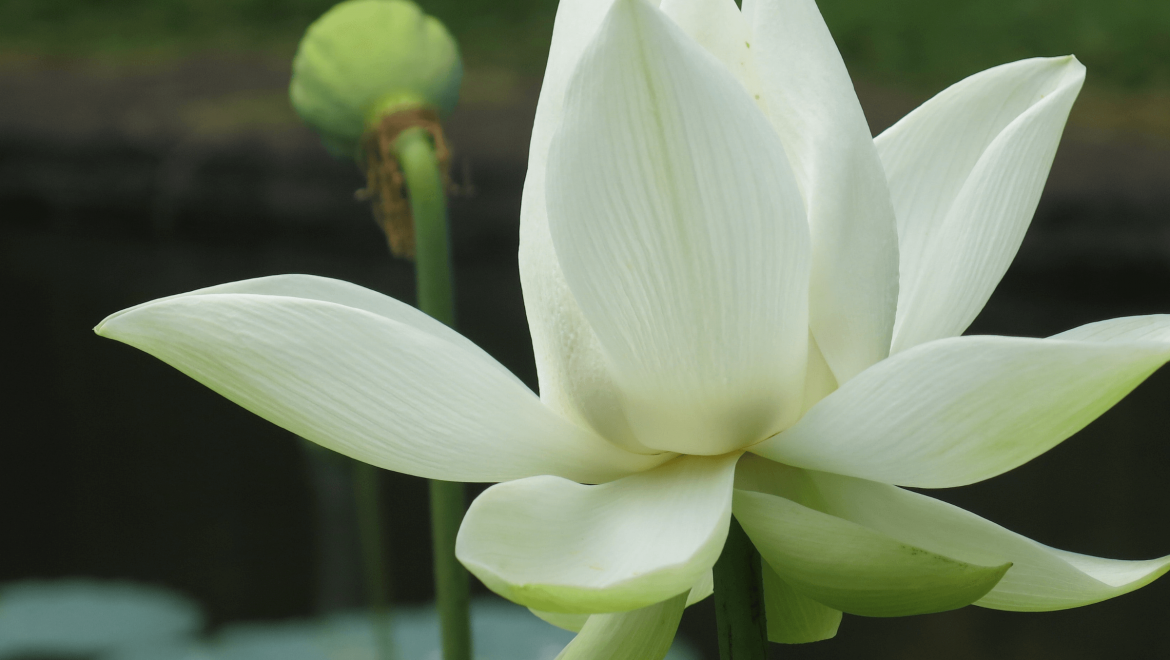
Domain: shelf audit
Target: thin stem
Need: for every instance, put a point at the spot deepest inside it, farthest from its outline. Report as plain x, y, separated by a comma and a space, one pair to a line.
428, 206
369, 518
739, 599
451, 582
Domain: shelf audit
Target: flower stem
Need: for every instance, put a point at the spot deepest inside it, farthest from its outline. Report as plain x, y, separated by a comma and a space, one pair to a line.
369, 519
428, 206
739, 599
451, 582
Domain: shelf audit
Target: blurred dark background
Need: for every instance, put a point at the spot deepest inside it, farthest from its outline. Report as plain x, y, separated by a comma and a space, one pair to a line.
147, 148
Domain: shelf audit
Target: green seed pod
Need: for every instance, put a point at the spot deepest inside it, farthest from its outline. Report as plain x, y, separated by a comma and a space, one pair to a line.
364, 59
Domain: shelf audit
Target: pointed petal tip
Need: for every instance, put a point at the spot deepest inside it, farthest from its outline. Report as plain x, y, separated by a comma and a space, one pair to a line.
114, 325
108, 326
1106, 579
1040, 579
847, 567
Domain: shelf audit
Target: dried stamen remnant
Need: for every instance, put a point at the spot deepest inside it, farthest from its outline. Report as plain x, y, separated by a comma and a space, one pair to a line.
385, 185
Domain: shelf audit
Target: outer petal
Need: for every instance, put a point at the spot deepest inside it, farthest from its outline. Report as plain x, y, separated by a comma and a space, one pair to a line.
575, 622
643, 634
960, 410
1040, 579
966, 171
325, 289
793, 618
1153, 328
854, 569
369, 377
574, 377
558, 546
680, 232
854, 241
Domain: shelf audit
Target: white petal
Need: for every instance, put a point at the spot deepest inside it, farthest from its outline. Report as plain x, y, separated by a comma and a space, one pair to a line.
1152, 328
793, 618
1040, 579
574, 377
957, 411
680, 232
369, 377
720, 28
966, 171
325, 289
643, 634
854, 239
575, 622
852, 568
819, 381
558, 546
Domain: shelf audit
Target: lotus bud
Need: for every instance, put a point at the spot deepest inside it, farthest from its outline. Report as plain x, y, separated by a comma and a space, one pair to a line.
363, 73
365, 59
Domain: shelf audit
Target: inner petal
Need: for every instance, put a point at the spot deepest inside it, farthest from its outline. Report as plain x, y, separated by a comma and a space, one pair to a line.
680, 231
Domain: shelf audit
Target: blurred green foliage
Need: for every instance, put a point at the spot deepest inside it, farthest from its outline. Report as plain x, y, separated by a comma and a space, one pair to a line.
917, 42
511, 33
927, 42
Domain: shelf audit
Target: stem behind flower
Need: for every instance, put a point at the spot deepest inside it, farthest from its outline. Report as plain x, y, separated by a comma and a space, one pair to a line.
739, 599
428, 205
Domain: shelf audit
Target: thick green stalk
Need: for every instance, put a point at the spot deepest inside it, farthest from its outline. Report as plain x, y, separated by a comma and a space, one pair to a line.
369, 518
428, 206
739, 599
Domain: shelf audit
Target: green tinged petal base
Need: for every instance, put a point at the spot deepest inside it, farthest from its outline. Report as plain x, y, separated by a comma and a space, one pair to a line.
793, 618
643, 634
854, 569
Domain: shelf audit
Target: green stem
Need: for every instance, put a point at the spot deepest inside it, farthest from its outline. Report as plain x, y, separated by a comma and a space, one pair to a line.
739, 599
369, 518
428, 207
451, 581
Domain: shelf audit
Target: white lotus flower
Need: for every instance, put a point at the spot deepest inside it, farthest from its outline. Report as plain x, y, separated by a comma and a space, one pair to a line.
717, 258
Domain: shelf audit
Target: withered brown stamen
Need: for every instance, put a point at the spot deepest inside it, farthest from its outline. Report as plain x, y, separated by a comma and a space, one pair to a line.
385, 185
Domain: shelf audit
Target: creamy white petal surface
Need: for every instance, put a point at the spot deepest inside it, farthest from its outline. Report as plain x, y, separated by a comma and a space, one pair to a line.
1040, 579
818, 381
1139, 329
720, 28
680, 231
557, 546
854, 569
325, 289
793, 618
966, 170
957, 411
810, 99
380, 382
643, 634
574, 378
